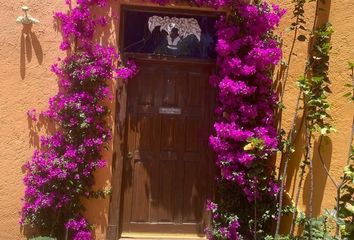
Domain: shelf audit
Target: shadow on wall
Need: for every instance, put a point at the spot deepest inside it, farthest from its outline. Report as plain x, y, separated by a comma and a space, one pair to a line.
97, 210
29, 41
322, 156
30, 45
37, 128
321, 149
293, 171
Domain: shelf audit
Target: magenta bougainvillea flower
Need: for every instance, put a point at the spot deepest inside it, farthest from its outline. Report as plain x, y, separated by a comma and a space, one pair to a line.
32, 114
245, 136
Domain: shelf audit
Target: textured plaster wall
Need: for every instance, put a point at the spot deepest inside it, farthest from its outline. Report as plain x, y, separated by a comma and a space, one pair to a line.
26, 82
335, 148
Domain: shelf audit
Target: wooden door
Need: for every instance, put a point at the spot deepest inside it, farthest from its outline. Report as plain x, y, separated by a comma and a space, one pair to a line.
168, 169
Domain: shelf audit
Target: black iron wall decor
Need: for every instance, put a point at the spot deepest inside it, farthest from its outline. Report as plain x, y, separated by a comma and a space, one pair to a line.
160, 31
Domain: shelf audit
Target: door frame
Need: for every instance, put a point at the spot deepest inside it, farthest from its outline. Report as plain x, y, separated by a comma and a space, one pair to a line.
114, 229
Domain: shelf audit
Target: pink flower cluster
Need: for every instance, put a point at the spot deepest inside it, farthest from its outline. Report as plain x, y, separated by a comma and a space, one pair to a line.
230, 230
61, 172
80, 227
32, 114
246, 101
245, 137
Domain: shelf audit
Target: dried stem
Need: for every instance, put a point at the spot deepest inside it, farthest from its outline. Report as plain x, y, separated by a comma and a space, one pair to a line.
308, 146
297, 196
255, 218
309, 161
323, 163
291, 139
286, 73
292, 131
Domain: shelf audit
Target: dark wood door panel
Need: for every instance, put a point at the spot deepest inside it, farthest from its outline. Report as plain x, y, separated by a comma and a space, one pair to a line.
193, 192
167, 168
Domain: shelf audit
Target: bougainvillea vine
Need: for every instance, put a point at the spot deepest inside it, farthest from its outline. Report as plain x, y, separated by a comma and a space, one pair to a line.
245, 137
61, 173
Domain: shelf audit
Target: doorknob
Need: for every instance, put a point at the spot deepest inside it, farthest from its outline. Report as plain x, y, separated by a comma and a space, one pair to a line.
130, 155
134, 155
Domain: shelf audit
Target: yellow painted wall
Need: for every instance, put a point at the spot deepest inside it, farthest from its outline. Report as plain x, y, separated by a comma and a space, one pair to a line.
26, 82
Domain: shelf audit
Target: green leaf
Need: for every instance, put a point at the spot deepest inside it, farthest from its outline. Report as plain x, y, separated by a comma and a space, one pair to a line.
349, 207
324, 131
317, 79
348, 94
351, 65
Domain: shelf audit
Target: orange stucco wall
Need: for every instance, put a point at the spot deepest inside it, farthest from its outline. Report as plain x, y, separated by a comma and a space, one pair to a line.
26, 82
334, 149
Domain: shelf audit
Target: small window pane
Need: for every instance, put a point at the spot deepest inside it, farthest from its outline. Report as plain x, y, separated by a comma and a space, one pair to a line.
169, 34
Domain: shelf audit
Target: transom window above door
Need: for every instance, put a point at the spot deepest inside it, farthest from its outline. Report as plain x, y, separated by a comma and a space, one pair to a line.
161, 31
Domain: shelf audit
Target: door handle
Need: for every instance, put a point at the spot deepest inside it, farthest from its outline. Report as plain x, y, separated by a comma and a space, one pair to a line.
134, 155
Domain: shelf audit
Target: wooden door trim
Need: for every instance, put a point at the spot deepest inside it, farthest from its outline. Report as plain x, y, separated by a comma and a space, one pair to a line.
119, 136
153, 58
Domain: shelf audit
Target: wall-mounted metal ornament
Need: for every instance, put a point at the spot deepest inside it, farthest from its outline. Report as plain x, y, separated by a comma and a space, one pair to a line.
185, 26
26, 19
